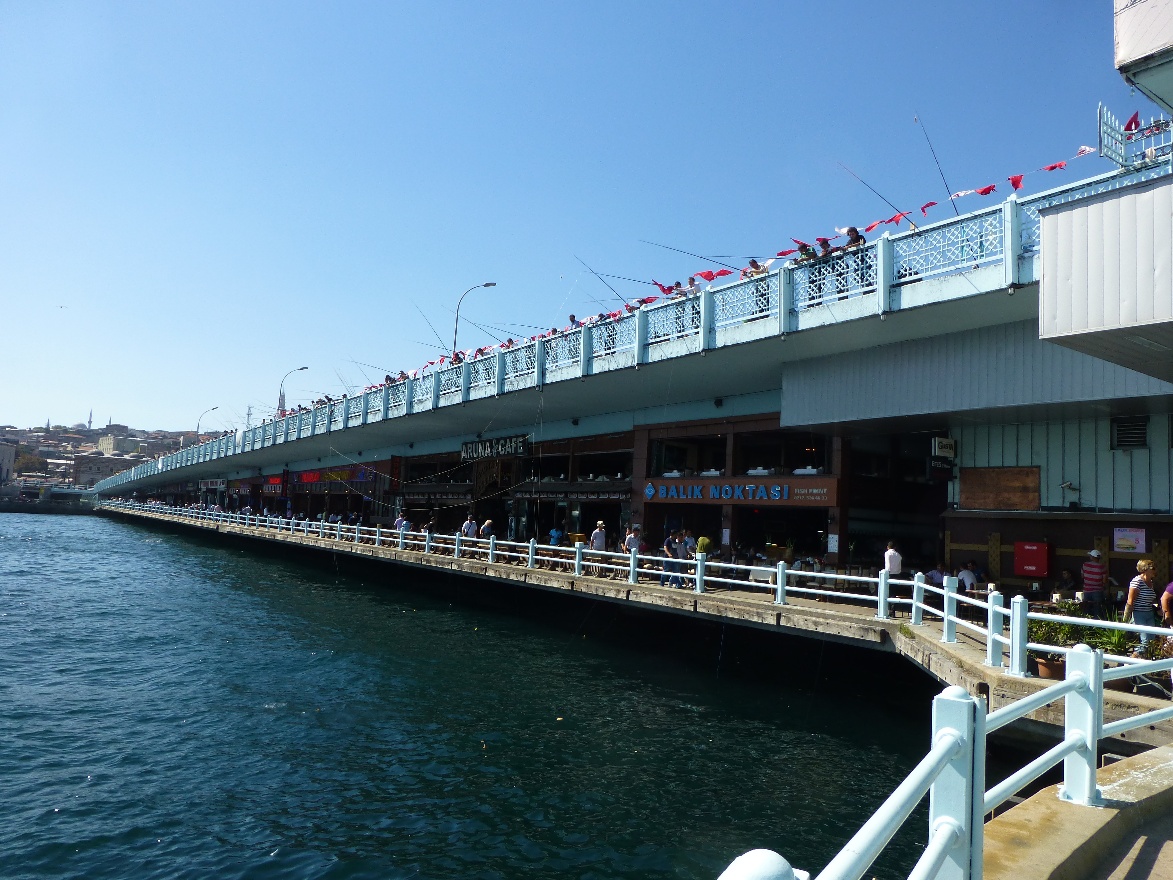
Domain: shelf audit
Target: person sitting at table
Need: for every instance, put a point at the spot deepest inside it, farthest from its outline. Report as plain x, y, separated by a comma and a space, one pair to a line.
937, 576
967, 577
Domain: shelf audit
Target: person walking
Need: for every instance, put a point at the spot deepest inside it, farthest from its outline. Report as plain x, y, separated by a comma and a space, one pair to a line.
1142, 599
469, 529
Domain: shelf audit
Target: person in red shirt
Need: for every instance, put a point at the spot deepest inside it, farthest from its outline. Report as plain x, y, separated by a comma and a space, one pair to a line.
1095, 576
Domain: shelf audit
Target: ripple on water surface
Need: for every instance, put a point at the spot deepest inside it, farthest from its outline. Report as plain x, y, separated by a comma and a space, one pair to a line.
174, 708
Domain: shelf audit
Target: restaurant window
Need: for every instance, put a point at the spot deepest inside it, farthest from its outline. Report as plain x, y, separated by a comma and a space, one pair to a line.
1130, 432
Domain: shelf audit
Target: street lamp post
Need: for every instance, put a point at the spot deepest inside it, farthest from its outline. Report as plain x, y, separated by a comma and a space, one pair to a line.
456, 327
281, 392
200, 419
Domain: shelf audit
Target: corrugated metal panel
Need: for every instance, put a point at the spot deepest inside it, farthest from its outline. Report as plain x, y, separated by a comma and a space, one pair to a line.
1142, 28
986, 368
1108, 262
1077, 451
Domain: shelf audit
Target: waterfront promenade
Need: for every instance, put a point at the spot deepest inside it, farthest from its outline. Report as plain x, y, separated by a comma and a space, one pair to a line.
950, 647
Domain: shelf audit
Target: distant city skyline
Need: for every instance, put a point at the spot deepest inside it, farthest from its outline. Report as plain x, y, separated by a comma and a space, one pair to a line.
195, 200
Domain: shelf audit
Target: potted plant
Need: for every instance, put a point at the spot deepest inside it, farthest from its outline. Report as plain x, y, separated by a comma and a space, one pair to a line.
1049, 664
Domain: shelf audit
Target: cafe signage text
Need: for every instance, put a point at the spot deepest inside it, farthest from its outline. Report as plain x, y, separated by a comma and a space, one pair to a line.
498, 447
788, 492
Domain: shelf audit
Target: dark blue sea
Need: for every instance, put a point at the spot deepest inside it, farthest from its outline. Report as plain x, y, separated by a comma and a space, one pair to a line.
171, 707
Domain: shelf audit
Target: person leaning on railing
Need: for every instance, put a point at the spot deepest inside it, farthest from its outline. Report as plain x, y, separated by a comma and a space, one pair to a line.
1142, 598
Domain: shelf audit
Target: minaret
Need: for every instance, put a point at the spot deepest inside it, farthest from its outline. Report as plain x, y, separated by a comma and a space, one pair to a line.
90, 423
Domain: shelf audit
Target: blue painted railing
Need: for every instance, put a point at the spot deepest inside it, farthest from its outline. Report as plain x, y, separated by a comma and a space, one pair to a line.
797, 296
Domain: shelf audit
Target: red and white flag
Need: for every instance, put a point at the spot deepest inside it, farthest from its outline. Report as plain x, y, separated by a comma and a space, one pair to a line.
1084, 151
985, 190
924, 209
706, 274
964, 192
1133, 122
872, 226
1016, 181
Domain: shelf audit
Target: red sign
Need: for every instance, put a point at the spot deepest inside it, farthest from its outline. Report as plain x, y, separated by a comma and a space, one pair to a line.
274, 481
309, 477
1032, 559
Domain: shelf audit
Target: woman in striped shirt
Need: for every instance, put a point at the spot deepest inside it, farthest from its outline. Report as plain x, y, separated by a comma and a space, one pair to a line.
1142, 598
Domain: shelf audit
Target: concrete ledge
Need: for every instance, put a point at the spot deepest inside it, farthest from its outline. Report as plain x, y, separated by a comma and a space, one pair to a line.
1044, 838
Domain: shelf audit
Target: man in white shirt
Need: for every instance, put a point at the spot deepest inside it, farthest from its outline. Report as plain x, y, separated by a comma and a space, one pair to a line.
893, 564
967, 577
469, 529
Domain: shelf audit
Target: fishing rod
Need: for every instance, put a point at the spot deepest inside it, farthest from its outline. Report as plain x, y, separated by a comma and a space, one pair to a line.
873, 189
623, 278
443, 347
600, 277
948, 191
698, 256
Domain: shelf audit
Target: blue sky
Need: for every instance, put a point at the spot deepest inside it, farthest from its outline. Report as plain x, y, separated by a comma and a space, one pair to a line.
197, 197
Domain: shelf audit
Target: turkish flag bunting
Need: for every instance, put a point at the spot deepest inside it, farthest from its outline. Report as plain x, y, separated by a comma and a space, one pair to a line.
1016, 181
1054, 166
924, 209
986, 190
1084, 151
663, 289
721, 273
648, 300
800, 242
787, 253
1133, 122
872, 226
964, 192
897, 218
707, 275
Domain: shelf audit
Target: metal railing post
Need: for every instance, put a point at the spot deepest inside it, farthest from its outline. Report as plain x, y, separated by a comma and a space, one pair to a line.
708, 321
321, 527
533, 551
357, 531
428, 542
492, 548
1018, 611
995, 627
949, 623
633, 571
578, 545
951, 799
378, 536
456, 547
780, 587
585, 351
882, 595
1083, 714
338, 531
402, 537
918, 599
700, 571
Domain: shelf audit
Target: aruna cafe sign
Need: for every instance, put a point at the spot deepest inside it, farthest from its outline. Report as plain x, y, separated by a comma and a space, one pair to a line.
792, 492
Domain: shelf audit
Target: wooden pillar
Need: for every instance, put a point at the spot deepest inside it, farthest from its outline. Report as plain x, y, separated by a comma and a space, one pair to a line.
994, 557
1161, 561
727, 509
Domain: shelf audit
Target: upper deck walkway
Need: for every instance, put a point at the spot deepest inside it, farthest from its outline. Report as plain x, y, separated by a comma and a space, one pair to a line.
817, 305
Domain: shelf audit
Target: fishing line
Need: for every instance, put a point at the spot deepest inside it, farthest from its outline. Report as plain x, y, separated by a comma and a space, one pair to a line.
873, 189
948, 191
600, 277
688, 254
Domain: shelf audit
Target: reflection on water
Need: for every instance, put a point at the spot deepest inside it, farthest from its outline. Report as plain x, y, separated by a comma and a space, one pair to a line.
177, 708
